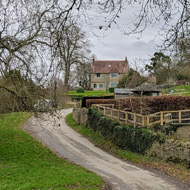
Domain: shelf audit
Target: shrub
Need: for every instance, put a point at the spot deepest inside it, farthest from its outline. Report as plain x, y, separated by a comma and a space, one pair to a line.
80, 90
111, 89
148, 104
123, 136
101, 101
84, 99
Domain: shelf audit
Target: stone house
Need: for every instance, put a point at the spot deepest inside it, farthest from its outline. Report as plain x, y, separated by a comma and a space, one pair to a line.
106, 74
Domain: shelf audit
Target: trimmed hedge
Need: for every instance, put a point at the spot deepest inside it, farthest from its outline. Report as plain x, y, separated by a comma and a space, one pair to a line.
148, 104
84, 99
123, 136
80, 90
101, 101
111, 89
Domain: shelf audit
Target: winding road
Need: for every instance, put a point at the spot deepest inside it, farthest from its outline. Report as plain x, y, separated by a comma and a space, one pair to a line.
65, 142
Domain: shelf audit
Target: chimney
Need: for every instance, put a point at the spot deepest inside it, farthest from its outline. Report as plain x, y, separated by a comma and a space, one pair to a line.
126, 59
93, 60
126, 65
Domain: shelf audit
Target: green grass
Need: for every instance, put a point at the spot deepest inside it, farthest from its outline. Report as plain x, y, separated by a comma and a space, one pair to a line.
178, 171
90, 93
27, 164
179, 90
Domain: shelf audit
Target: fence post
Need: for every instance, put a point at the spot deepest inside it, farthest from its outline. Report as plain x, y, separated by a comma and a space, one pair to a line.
111, 113
126, 117
143, 120
180, 116
118, 115
161, 118
104, 111
135, 118
147, 120
98, 108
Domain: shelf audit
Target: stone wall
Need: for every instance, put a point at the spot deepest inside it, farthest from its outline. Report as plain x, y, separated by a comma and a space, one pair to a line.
80, 115
172, 150
183, 133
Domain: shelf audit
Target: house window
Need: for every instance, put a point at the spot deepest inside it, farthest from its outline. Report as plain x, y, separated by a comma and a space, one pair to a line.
98, 75
154, 94
95, 85
113, 84
100, 85
114, 75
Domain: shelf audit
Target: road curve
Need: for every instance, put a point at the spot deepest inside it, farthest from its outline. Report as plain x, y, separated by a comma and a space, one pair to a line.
64, 141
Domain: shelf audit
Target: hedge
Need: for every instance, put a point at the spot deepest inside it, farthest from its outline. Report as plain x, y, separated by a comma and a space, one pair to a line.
111, 89
124, 136
84, 99
148, 104
80, 90
101, 101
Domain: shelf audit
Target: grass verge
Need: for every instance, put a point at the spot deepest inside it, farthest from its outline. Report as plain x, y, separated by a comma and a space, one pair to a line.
179, 171
90, 93
27, 164
178, 90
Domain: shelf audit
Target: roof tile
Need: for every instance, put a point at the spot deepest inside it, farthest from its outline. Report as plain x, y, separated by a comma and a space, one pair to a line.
110, 66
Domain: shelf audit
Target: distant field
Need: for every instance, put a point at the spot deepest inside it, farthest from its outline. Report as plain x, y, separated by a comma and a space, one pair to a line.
178, 90
27, 164
89, 93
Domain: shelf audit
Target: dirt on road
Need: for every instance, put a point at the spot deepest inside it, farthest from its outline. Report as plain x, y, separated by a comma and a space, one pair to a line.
54, 133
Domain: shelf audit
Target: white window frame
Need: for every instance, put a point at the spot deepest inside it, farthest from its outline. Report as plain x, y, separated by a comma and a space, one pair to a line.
114, 75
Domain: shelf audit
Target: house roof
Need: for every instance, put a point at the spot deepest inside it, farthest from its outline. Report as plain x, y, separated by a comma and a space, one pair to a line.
110, 66
146, 87
123, 91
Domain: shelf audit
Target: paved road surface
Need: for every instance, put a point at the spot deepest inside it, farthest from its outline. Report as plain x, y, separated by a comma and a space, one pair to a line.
64, 141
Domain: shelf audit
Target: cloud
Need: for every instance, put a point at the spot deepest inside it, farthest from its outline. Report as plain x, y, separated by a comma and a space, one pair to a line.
113, 45
117, 46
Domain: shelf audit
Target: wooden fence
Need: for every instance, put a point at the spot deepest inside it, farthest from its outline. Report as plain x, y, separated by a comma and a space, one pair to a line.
162, 118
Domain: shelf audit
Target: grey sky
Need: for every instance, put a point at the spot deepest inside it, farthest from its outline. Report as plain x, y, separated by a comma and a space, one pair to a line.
117, 46
112, 44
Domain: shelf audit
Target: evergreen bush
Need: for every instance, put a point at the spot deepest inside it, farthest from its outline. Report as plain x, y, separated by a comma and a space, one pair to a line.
80, 90
111, 89
124, 136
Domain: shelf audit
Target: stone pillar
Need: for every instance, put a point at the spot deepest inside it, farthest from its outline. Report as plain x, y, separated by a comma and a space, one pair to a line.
83, 116
76, 114
80, 115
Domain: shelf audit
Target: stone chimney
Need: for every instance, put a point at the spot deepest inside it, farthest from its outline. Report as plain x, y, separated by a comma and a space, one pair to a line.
126, 59
126, 65
93, 60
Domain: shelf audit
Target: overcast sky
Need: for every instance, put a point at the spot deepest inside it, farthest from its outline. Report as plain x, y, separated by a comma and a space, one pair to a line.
116, 46
113, 45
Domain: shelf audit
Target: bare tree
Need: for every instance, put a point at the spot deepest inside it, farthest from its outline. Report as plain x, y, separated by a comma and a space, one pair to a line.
28, 30
83, 73
173, 16
70, 48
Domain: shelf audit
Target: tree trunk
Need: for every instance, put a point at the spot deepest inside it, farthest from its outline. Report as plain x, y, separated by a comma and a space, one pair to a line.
66, 78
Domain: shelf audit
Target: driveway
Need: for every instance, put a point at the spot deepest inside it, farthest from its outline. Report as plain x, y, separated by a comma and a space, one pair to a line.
65, 142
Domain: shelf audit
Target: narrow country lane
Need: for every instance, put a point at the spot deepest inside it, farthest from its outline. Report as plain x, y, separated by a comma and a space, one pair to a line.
64, 141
